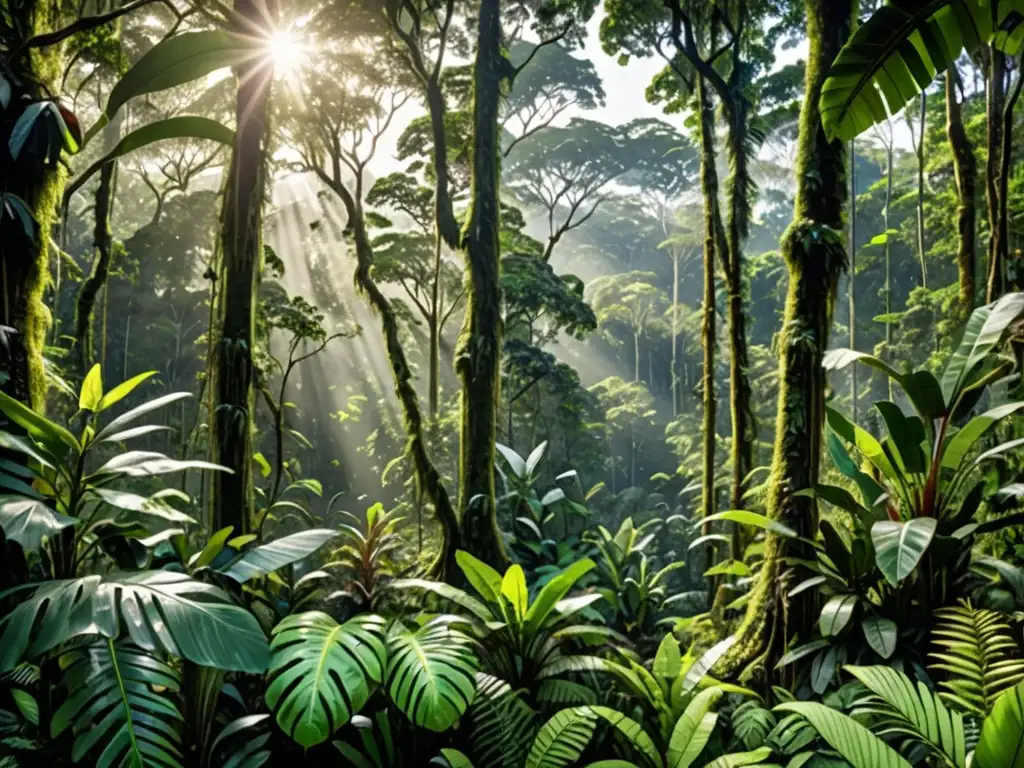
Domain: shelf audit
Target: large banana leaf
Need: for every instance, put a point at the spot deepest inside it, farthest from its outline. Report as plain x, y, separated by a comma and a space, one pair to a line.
431, 674
117, 715
158, 610
322, 672
856, 744
267, 558
897, 53
1002, 734
916, 711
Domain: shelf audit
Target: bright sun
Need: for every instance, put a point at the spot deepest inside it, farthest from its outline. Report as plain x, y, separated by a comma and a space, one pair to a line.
287, 52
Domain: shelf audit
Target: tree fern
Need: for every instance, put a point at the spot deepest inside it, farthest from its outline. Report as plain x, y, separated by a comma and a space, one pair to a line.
978, 655
114, 709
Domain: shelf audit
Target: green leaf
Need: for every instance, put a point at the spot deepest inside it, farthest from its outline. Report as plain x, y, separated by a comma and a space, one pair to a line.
456, 759
53, 436
431, 674
515, 462
322, 672
552, 593
122, 390
180, 59
26, 704
752, 519
214, 546
1002, 734
92, 390
268, 558
836, 614
705, 663
854, 742
155, 506
513, 587
159, 611
30, 521
261, 461
562, 739
754, 759
960, 444
802, 651
150, 463
667, 660
114, 707
881, 634
823, 670
920, 709
180, 127
448, 592
128, 417
899, 546
632, 731
693, 729
985, 329
484, 579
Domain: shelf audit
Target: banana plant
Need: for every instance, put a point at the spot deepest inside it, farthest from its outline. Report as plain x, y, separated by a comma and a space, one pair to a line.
899, 50
529, 643
61, 501
917, 492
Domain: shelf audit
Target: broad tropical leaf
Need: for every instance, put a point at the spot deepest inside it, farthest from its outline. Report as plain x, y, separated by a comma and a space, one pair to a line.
985, 329
449, 593
860, 747
704, 664
1002, 734
484, 579
29, 521
979, 656
552, 594
754, 759
896, 54
113, 705
915, 710
267, 558
562, 739
158, 611
899, 547
693, 729
431, 674
836, 614
881, 634
322, 672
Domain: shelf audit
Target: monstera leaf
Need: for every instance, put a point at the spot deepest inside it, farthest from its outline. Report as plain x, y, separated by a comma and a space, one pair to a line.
322, 672
431, 674
158, 610
113, 706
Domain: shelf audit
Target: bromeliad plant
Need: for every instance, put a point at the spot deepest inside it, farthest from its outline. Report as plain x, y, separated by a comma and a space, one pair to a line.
921, 493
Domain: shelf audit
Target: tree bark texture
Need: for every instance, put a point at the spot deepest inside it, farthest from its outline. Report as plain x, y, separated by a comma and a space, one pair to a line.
815, 255
965, 169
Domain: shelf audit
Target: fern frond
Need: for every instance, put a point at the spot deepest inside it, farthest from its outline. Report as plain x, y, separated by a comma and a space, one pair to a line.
979, 656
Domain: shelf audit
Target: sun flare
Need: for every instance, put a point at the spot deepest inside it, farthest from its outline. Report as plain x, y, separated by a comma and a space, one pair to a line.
287, 51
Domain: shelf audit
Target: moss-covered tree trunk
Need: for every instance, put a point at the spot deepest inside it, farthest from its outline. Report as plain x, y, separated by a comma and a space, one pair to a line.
852, 290
994, 105
39, 184
815, 256
709, 191
241, 255
103, 247
478, 355
965, 169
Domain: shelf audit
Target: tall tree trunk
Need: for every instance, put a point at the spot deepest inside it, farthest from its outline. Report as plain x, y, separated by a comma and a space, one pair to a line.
888, 255
1002, 247
437, 313
744, 429
478, 356
241, 253
103, 244
965, 169
852, 282
636, 355
709, 190
675, 333
920, 190
994, 105
23, 259
814, 253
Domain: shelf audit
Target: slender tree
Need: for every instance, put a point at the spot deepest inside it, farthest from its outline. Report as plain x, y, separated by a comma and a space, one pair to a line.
852, 290
241, 255
815, 256
965, 170
478, 355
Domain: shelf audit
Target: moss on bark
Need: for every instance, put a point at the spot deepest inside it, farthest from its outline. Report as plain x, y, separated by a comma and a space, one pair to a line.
815, 256
965, 168
478, 354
